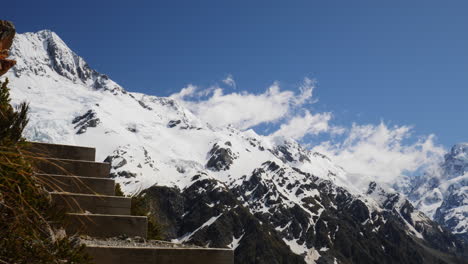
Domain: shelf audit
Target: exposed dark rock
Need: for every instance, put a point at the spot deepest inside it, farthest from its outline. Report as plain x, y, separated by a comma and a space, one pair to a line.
144, 105
116, 161
83, 122
132, 129
173, 123
206, 213
124, 174
452, 201
65, 69
284, 153
220, 158
359, 211
259, 243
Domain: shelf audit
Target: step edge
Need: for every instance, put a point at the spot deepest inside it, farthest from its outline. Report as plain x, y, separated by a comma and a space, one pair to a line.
108, 215
74, 176
64, 145
83, 161
89, 195
170, 248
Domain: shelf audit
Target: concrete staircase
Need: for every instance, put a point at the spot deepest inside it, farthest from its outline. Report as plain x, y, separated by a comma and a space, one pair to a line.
81, 187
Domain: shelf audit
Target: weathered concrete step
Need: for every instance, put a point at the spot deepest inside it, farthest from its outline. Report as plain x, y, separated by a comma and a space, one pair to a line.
141, 255
101, 226
77, 184
63, 151
95, 204
72, 167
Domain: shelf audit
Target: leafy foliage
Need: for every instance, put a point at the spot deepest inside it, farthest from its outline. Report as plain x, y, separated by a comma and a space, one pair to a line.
26, 214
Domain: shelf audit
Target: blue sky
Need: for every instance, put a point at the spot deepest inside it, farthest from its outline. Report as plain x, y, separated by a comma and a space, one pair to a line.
404, 62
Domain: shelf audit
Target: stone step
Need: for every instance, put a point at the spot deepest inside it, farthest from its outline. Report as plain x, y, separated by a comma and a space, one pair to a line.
142, 255
63, 151
102, 226
95, 204
72, 167
77, 184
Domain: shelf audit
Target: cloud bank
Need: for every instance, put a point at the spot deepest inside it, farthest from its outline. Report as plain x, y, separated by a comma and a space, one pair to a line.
308, 124
242, 109
379, 152
366, 151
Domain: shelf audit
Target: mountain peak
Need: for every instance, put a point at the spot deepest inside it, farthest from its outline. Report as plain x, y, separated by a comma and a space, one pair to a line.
45, 54
45, 33
459, 149
456, 161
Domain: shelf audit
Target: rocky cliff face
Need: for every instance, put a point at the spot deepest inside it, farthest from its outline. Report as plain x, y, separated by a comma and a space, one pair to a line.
271, 200
343, 230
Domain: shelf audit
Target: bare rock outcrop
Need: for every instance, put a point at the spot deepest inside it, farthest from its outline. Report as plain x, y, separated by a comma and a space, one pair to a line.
7, 33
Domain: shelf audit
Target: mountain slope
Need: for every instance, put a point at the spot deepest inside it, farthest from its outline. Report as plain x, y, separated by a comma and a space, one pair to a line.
443, 194
270, 199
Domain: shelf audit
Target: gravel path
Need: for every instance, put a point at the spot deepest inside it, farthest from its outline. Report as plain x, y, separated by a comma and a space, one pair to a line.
131, 242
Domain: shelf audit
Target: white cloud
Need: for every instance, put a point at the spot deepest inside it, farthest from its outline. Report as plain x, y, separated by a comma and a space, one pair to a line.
366, 152
307, 88
185, 92
300, 126
229, 80
244, 110
378, 152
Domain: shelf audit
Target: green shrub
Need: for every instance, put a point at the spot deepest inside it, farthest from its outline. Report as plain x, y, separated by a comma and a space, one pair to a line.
118, 191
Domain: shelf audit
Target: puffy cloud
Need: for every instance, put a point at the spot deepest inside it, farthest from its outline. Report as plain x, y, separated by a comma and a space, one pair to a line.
185, 92
300, 126
243, 110
381, 153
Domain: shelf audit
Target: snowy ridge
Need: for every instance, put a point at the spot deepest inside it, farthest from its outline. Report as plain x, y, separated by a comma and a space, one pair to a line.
443, 194
290, 194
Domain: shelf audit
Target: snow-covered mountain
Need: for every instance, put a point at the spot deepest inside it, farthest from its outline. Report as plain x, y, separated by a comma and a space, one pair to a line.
271, 199
443, 194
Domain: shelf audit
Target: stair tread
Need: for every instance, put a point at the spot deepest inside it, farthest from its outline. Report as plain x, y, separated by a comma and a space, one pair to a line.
156, 247
107, 215
90, 195
72, 167
75, 160
146, 255
106, 225
53, 144
61, 150
78, 184
74, 176
92, 204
